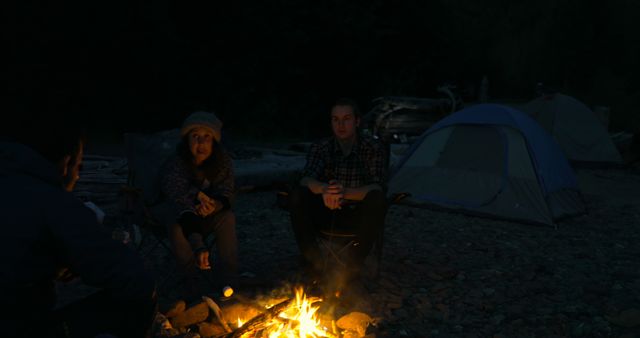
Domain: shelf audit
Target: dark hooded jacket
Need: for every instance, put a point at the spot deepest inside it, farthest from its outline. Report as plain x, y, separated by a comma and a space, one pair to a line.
46, 229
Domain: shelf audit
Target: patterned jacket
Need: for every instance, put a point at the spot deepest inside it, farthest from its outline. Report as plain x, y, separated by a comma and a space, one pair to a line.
180, 185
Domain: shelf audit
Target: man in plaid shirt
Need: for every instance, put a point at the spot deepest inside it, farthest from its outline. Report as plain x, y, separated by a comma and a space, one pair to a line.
343, 186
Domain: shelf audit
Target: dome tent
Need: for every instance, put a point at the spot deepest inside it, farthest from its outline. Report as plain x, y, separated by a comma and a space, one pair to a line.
575, 127
493, 160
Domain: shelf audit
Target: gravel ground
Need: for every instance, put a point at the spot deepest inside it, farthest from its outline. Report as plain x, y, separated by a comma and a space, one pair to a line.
450, 275
446, 274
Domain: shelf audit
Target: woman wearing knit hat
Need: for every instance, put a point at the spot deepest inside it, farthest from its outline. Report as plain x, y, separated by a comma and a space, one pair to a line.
199, 181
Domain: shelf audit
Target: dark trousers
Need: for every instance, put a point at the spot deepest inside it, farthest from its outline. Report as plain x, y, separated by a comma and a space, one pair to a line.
223, 227
309, 215
99, 313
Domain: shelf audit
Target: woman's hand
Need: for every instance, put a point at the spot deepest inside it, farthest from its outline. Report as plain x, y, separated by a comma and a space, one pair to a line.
205, 209
201, 256
207, 205
200, 251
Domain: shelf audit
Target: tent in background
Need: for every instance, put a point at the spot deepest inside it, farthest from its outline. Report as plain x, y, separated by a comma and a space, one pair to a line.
493, 160
581, 135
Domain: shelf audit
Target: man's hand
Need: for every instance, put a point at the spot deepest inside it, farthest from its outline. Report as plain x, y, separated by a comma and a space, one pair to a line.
332, 194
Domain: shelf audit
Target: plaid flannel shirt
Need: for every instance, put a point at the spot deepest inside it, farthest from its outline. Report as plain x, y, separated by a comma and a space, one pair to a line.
364, 165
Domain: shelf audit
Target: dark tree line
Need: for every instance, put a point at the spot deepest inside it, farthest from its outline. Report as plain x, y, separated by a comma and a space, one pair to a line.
274, 67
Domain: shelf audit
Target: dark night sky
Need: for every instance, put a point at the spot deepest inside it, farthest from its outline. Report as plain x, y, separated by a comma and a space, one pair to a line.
273, 67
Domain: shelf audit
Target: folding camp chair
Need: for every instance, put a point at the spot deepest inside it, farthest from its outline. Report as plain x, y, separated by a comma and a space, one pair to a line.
146, 155
338, 242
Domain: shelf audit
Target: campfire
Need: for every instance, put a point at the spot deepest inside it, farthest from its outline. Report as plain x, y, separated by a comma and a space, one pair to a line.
293, 317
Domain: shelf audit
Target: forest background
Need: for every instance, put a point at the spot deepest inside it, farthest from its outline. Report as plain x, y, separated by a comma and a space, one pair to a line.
271, 69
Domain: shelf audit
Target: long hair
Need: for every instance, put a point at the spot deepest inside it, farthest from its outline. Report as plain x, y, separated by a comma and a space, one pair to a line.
211, 166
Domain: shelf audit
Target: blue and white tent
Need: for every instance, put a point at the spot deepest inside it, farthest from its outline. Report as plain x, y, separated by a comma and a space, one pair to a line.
490, 159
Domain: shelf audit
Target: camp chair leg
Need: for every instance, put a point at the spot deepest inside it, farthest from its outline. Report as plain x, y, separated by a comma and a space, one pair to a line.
378, 254
327, 244
159, 242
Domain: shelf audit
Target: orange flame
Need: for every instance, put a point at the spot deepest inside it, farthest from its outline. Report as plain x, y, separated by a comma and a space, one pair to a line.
300, 320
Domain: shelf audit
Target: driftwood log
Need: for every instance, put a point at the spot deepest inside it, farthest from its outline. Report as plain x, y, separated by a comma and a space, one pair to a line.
259, 322
406, 115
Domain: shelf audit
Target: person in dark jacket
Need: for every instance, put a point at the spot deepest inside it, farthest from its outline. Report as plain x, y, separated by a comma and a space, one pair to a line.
199, 184
47, 230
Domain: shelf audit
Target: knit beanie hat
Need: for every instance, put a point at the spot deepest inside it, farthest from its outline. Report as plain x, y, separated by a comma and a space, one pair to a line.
204, 120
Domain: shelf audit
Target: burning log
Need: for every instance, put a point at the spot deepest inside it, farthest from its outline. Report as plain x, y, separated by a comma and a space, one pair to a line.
241, 311
290, 317
260, 321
